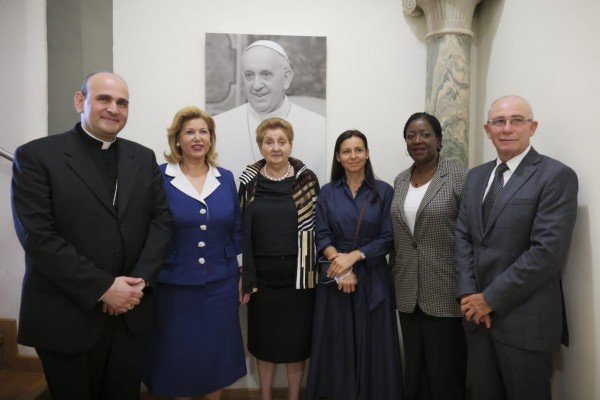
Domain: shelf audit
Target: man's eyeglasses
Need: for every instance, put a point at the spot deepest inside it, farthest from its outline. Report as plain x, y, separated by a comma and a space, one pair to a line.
514, 121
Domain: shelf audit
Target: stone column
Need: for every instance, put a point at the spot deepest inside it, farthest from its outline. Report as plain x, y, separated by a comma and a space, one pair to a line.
448, 68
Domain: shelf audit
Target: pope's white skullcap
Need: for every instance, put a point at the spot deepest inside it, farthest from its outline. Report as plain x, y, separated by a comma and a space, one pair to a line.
271, 45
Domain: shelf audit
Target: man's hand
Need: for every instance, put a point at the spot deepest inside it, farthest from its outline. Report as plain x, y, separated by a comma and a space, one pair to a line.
243, 298
124, 294
476, 310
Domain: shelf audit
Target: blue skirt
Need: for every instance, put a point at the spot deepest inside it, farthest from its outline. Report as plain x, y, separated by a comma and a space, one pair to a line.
196, 344
355, 348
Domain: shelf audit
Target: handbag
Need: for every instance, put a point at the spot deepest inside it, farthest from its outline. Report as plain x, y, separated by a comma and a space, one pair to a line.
324, 264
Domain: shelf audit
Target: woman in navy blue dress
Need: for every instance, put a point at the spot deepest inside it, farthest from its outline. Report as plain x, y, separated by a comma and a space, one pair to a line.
355, 349
196, 345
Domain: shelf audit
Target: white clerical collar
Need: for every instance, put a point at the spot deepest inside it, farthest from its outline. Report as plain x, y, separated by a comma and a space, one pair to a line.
105, 145
281, 112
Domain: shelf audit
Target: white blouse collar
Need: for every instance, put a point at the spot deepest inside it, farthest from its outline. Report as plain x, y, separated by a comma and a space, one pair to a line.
181, 182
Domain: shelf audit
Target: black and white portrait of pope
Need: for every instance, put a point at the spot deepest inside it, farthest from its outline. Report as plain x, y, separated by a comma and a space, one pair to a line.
253, 77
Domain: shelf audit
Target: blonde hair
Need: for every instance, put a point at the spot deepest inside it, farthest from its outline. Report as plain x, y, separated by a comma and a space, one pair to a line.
181, 117
274, 123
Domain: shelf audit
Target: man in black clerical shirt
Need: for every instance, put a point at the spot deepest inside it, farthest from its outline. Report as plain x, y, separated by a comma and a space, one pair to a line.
91, 214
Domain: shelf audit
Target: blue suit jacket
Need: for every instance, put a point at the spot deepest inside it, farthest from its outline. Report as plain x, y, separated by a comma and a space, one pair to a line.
517, 260
208, 228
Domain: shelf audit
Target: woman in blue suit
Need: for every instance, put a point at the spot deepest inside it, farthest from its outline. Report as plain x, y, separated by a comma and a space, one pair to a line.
196, 346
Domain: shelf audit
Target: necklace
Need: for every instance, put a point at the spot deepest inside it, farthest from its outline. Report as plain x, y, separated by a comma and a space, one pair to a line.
425, 177
287, 173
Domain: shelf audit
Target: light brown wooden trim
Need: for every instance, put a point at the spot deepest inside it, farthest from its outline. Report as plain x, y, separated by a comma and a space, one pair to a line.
9, 350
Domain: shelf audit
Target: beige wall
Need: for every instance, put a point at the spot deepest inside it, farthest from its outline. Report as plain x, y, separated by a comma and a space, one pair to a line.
79, 36
547, 51
541, 49
375, 63
23, 116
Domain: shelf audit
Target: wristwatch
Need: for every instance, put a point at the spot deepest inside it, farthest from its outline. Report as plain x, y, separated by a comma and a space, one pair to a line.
362, 255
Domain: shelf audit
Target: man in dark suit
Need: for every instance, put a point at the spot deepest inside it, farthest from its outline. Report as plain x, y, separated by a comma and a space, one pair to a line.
92, 216
508, 259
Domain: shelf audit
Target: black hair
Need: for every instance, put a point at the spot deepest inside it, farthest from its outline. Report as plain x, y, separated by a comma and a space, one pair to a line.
337, 171
433, 121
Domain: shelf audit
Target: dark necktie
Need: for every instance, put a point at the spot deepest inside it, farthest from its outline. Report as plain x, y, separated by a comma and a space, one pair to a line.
494, 192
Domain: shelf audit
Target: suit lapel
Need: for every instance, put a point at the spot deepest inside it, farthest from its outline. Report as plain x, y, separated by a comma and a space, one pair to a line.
181, 183
481, 186
434, 187
78, 160
436, 184
126, 174
521, 175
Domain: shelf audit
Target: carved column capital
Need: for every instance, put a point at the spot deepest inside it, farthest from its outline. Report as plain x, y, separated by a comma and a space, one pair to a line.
443, 16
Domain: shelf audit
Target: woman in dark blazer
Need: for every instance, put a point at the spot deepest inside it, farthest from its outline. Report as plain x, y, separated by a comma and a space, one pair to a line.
424, 210
196, 346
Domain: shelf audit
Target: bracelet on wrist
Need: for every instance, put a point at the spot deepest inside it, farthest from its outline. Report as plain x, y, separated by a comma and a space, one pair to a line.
341, 278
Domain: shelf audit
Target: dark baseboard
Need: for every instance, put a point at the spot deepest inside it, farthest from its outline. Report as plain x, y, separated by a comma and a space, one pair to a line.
232, 394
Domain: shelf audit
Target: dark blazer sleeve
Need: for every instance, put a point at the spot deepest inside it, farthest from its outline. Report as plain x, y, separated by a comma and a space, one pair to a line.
464, 271
159, 231
45, 248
